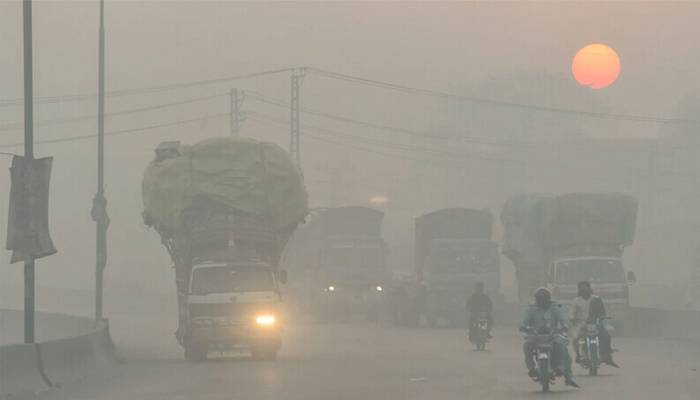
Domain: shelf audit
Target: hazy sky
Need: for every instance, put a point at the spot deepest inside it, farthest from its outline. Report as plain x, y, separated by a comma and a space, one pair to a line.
432, 45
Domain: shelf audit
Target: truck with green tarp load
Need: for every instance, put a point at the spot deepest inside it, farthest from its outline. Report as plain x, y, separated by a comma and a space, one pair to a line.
224, 209
557, 241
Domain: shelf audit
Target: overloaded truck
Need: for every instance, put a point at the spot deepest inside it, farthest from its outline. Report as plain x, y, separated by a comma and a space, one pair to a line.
224, 209
557, 241
454, 250
337, 261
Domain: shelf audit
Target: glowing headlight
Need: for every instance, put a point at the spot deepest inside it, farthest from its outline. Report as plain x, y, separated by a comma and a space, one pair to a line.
331, 288
379, 288
265, 320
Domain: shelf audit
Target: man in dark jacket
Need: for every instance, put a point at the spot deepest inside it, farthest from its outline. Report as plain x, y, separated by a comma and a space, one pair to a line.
479, 302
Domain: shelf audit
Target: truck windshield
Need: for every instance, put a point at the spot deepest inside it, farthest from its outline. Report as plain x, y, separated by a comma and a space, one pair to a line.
592, 270
227, 279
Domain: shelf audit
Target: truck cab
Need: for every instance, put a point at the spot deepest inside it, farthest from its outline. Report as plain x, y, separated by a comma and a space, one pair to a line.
234, 305
352, 276
606, 275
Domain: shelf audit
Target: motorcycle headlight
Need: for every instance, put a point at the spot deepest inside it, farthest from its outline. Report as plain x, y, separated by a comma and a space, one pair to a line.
331, 288
265, 320
379, 288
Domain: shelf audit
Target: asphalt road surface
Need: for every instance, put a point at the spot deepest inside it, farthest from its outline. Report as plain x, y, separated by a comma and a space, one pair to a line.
365, 361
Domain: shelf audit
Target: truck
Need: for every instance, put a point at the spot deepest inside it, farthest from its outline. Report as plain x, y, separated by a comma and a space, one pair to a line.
558, 241
338, 262
454, 249
224, 209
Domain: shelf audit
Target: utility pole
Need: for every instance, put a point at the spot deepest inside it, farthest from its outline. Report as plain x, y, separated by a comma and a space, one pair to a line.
335, 180
295, 139
99, 202
651, 184
237, 98
29, 272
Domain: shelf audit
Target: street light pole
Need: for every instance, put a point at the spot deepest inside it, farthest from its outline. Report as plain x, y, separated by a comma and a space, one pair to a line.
99, 203
29, 273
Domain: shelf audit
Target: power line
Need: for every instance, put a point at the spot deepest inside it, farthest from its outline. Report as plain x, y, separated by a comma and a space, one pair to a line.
423, 134
59, 121
145, 90
383, 143
121, 132
500, 103
261, 117
420, 134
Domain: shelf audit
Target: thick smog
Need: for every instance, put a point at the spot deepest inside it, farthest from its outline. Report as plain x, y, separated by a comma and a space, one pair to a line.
350, 200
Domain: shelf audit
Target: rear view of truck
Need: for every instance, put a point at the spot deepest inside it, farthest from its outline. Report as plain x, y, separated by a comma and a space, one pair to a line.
224, 209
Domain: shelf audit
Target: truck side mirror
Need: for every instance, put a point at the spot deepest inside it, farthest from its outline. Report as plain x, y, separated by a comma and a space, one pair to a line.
631, 277
283, 276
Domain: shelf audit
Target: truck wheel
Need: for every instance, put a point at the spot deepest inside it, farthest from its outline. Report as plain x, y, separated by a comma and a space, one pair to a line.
195, 353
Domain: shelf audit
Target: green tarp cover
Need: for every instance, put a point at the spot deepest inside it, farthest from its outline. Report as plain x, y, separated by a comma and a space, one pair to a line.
588, 218
247, 175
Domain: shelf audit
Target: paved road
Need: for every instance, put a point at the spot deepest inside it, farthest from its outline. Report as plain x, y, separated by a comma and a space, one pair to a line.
363, 361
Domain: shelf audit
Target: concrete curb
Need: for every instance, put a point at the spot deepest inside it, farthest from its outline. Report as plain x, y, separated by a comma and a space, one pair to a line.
33, 368
19, 370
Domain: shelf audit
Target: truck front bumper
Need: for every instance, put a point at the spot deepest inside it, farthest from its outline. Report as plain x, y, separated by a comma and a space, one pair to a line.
231, 336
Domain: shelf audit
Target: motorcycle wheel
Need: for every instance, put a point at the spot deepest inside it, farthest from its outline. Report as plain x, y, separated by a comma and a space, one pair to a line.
544, 375
594, 362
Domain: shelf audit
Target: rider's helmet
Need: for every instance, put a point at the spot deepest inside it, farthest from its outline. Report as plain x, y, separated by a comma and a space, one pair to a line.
584, 289
543, 297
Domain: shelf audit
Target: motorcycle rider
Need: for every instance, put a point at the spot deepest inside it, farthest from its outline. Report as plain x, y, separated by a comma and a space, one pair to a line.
479, 302
546, 316
596, 315
582, 314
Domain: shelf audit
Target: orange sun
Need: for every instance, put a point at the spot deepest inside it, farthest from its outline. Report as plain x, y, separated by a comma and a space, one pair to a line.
596, 66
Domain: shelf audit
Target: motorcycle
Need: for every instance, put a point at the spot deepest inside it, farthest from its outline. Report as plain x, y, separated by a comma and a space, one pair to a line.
480, 331
589, 347
543, 357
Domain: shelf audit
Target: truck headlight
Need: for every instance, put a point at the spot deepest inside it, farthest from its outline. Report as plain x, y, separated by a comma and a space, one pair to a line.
379, 288
331, 288
265, 320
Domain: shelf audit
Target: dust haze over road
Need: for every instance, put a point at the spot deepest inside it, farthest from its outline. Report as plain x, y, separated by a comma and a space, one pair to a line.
391, 111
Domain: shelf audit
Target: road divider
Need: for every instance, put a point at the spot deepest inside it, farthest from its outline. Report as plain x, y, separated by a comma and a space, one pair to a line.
33, 368
20, 370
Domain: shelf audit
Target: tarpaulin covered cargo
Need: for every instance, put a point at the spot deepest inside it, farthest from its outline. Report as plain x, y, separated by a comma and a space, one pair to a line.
588, 218
246, 175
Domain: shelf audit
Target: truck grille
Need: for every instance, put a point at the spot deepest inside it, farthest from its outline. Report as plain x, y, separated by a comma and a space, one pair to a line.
220, 310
